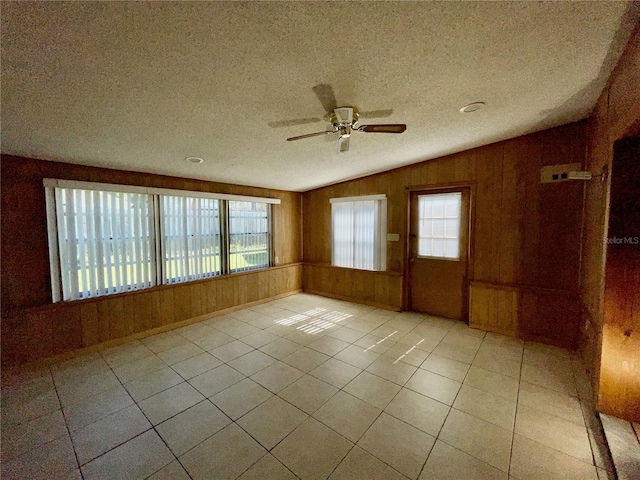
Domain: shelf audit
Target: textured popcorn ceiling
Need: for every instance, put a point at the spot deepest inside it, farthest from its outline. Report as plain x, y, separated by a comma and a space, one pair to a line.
141, 86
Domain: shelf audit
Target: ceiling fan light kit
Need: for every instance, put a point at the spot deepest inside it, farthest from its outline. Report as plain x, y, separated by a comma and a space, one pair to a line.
344, 122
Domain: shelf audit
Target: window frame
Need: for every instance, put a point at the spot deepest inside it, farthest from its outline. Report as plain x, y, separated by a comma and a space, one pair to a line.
380, 236
156, 247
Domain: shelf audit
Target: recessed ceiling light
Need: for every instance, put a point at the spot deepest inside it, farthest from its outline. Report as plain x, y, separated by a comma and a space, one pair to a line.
194, 160
472, 107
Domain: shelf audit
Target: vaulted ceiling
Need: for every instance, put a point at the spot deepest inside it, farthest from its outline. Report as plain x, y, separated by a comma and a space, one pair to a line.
140, 86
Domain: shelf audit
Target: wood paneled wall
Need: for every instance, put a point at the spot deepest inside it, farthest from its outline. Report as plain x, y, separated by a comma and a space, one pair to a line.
525, 235
34, 328
615, 114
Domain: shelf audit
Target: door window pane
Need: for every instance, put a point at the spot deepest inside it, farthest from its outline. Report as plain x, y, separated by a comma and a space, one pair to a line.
439, 225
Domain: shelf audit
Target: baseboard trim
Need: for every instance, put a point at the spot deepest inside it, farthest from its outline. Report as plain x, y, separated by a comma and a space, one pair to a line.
352, 300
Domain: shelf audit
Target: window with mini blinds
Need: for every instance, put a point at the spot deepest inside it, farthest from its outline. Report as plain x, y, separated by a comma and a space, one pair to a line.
106, 239
358, 232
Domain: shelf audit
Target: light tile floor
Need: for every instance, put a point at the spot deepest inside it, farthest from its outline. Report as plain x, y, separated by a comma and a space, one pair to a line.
306, 387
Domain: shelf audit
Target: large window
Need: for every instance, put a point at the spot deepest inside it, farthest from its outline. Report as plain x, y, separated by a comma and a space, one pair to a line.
358, 232
106, 239
439, 225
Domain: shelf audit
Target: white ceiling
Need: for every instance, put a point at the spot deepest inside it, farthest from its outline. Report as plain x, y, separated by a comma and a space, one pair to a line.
141, 86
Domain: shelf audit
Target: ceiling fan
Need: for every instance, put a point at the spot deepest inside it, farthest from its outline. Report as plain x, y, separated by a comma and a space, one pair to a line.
343, 119
344, 122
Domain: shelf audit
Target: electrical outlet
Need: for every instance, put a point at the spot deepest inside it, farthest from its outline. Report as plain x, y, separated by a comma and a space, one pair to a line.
558, 173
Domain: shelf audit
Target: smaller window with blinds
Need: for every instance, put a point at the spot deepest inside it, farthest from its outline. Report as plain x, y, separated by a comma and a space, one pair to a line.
358, 232
191, 247
249, 235
439, 225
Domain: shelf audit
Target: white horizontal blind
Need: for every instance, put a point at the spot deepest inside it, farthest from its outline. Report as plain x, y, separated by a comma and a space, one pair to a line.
248, 235
105, 241
356, 234
191, 238
439, 225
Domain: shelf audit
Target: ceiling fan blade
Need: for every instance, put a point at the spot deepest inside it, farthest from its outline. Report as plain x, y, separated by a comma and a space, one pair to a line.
309, 135
388, 128
343, 144
290, 123
377, 113
325, 94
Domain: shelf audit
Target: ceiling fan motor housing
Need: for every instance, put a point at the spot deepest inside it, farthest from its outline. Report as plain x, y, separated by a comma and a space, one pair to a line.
344, 116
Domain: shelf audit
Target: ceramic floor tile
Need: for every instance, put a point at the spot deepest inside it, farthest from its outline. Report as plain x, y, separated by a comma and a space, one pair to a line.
252, 362
491, 382
271, 421
376, 344
357, 356
180, 353
259, 339
347, 415
559, 380
305, 359
137, 459
191, 427
133, 370
393, 370
308, 393
422, 412
398, 444
433, 385
164, 341
268, 468
456, 352
346, 334
328, 345
239, 330
335, 372
152, 383
309, 332
240, 398
86, 387
401, 352
213, 341
88, 410
448, 463
216, 380
277, 376
462, 339
109, 432
360, 465
127, 353
17, 439
81, 366
312, 451
280, 348
480, 439
553, 432
231, 350
195, 331
532, 461
173, 471
51, 460
552, 402
446, 367
170, 402
197, 365
19, 409
372, 389
488, 360
488, 407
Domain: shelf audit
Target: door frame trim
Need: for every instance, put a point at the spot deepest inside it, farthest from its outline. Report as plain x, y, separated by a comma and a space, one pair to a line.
434, 188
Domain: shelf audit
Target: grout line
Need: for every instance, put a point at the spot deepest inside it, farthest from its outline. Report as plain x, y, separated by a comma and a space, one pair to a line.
515, 416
